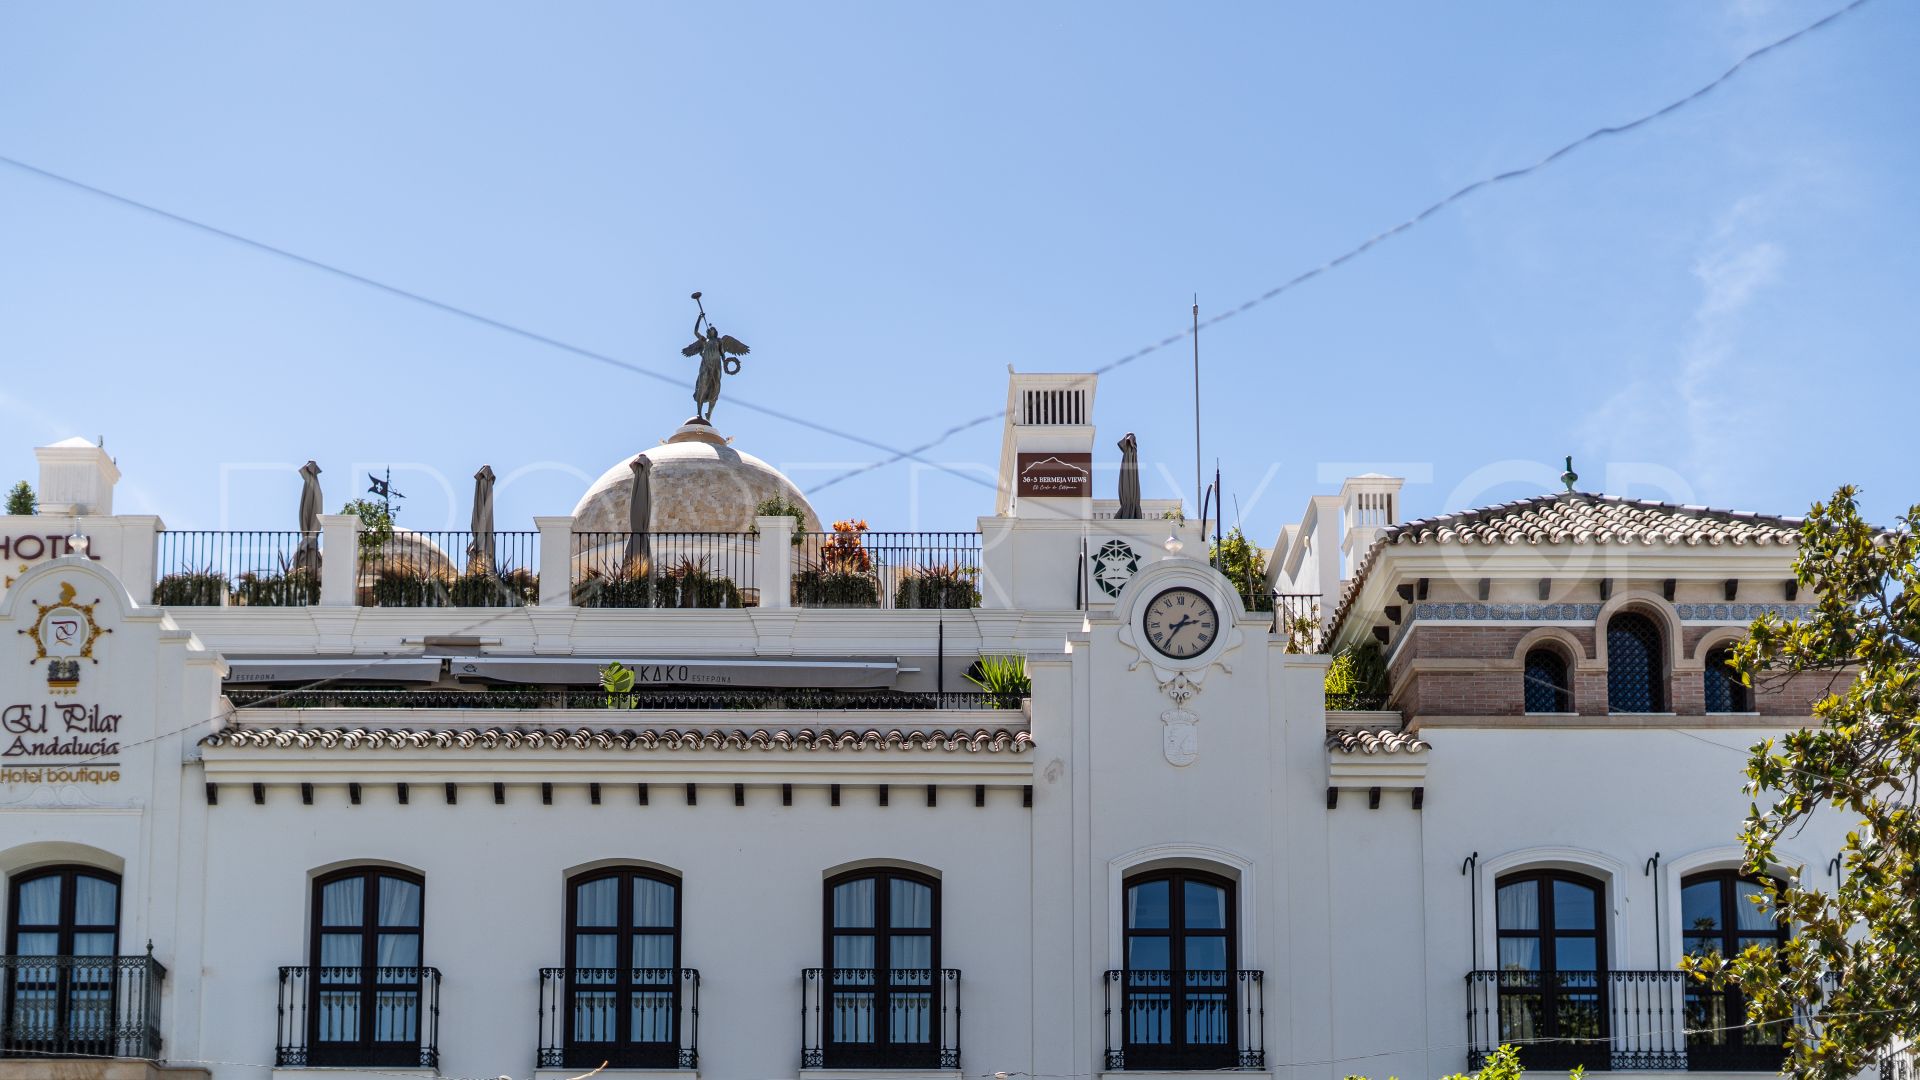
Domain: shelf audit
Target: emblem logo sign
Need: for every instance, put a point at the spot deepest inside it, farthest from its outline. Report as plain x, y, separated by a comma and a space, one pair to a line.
1054, 476
1114, 565
63, 634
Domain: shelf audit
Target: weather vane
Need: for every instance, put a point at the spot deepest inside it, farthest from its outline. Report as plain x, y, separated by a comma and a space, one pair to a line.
718, 353
383, 487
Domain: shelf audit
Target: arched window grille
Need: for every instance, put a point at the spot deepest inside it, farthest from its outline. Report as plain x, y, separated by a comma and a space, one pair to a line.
1636, 668
1549, 688
1725, 692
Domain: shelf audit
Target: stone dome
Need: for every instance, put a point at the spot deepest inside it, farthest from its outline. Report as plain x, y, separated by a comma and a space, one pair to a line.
698, 483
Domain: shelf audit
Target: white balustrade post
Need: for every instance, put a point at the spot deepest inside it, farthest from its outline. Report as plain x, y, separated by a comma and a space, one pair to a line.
556, 561
773, 560
339, 559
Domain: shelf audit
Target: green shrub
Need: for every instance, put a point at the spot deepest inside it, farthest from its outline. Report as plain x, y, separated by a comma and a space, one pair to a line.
1357, 679
777, 506
687, 585
294, 588
483, 588
835, 588
937, 587
192, 588
402, 583
1004, 677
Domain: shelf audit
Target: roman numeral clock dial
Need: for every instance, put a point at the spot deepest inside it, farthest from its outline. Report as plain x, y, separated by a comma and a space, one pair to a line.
1181, 623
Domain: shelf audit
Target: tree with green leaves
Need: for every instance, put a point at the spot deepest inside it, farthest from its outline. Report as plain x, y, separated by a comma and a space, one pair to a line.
20, 501
1852, 964
376, 521
1244, 563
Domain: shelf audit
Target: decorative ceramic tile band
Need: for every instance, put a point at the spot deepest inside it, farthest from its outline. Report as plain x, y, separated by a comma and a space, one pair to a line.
1587, 613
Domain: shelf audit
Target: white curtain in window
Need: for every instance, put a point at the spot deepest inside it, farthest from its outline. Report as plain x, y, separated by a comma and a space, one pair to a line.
911, 905
399, 902
652, 902
1752, 916
96, 902
597, 903
39, 902
1519, 906
399, 950
340, 902
853, 903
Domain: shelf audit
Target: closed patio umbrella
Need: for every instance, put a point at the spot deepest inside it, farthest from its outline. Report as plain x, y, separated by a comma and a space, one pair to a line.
480, 550
639, 512
307, 555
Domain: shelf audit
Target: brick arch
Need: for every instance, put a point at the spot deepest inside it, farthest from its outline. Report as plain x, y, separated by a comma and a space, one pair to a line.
1547, 635
1713, 639
1650, 604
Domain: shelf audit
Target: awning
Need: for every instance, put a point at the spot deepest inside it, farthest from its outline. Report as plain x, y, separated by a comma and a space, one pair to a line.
365, 669
654, 671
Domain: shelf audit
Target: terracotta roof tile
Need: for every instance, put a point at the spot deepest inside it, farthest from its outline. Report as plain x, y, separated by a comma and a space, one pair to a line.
1578, 518
1384, 741
508, 738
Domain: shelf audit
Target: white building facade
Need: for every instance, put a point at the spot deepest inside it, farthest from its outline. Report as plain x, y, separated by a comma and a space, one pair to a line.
280, 803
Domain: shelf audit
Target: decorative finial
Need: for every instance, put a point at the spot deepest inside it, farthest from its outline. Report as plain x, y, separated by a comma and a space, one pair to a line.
1569, 477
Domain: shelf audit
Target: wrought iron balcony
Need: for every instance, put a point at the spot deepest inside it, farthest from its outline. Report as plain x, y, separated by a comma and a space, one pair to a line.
885, 1018
1205, 1020
1616, 1020
80, 1006
359, 1016
631, 1018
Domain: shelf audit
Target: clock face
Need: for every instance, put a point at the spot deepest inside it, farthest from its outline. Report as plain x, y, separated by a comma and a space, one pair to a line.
1181, 623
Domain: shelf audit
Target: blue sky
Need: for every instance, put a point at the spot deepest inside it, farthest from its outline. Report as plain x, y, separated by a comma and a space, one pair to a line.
893, 202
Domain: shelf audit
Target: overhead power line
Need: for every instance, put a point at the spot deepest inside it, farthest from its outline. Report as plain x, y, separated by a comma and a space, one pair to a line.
1380, 237
465, 313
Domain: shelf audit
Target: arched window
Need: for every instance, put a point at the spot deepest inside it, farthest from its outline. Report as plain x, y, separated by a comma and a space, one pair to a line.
883, 977
1636, 671
1552, 982
1548, 689
66, 1006
1180, 957
364, 994
623, 967
1718, 917
1725, 691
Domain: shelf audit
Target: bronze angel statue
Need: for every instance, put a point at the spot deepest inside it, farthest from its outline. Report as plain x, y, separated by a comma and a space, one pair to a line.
717, 352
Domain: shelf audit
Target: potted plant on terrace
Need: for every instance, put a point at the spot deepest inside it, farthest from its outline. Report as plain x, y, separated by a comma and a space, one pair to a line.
843, 575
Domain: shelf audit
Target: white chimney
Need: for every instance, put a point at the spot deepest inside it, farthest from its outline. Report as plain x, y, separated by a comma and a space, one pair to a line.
76, 477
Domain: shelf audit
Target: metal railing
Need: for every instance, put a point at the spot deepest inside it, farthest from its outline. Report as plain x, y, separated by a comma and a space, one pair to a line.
890, 1018
664, 570
358, 1016
449, 568
80, 1006
1208, 1020
212, 568
639, 1018
887, 569
1616, 1020
1296, 617
732, 698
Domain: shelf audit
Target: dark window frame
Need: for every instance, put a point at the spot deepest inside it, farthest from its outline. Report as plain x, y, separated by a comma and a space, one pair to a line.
1178, 1054
1737, 696
1657, 673
1715, 1018
624, 1052
365, 1050
66, 978
1550, 1053
1561, 689
882, 1052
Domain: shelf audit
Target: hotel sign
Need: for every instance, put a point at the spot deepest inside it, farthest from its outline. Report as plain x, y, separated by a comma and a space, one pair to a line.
1054, 475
